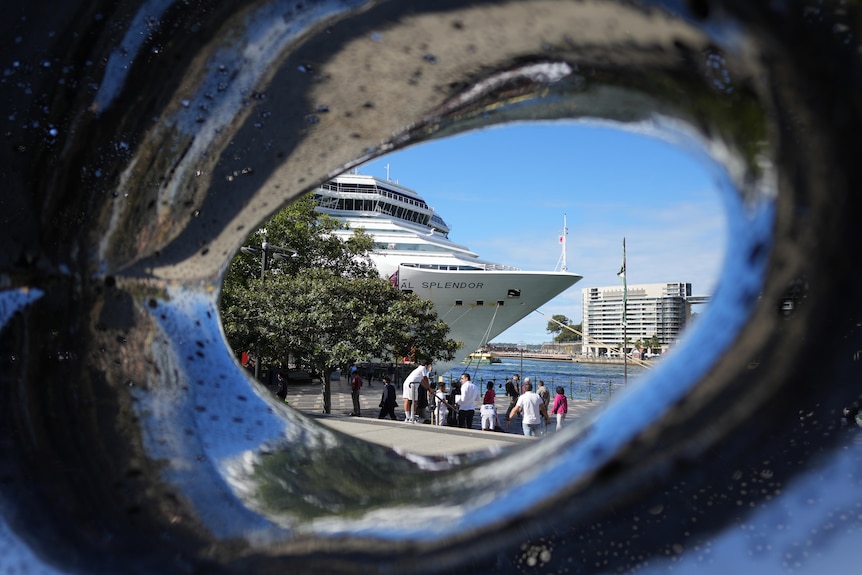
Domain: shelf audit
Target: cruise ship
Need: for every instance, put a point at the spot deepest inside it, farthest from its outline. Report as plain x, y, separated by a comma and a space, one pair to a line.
478, 299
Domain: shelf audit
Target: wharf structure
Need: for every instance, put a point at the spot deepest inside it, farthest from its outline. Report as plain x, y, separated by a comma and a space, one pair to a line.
655, 315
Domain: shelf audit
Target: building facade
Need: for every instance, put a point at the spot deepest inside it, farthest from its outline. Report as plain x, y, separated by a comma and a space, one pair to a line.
659, 311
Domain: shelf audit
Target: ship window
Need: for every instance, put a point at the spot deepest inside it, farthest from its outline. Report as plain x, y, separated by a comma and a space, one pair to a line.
480, 302
459, 302
514, 293
501, 302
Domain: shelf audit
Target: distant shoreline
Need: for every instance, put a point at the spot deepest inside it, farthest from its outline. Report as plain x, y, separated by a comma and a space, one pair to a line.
565, 358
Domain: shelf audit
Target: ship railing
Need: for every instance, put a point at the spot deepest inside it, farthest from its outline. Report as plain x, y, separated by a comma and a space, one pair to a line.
363, 192
500, 267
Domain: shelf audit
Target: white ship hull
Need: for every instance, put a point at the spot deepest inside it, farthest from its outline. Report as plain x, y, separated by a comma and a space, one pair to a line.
477, 298
480, 305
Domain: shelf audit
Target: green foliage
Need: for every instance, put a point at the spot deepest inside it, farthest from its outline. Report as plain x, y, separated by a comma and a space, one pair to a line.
554, 326
300, 229
325, 306
563, 335
567, 335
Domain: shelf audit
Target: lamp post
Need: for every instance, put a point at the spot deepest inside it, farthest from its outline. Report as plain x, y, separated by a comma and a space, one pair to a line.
521, 345
277, 252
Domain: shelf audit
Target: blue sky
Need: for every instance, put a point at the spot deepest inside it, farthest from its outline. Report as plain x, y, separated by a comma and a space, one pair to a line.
504, 192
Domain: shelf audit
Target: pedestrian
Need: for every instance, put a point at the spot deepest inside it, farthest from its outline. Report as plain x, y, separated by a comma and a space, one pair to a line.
417, 377
533, 409
561, 406
441, 412
524, 384
387, 400
512, 387
489, 408
355, 386
421, 404
454, 395
281, 389
543, 392
468, 401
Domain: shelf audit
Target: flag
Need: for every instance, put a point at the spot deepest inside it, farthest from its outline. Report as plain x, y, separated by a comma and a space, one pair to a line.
622, 272
622, 275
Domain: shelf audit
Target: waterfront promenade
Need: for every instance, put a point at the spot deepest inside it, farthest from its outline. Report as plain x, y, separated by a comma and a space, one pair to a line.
419, 438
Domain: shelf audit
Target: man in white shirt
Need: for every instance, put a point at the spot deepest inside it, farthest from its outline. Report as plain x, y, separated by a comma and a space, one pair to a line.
467, 404
534, 410
417, 377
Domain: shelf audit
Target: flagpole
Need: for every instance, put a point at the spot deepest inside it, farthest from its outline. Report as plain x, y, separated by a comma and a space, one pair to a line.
563, 241
625, 320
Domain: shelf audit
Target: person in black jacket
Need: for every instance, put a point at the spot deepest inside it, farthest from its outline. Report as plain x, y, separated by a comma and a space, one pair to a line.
513, 387
281, 389
388, 400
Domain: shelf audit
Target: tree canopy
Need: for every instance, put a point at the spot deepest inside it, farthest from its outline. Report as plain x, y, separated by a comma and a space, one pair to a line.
561, 334
320, 300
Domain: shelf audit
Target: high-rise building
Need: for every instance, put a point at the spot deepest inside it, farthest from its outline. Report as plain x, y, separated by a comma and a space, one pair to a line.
658, 310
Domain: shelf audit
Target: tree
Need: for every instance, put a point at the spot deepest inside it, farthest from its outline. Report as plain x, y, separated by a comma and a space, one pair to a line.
326, 305
299, 238
570, 335
328, 320
563, 335
554, 326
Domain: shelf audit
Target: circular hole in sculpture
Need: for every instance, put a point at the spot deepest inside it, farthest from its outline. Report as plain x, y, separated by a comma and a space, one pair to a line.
621, 220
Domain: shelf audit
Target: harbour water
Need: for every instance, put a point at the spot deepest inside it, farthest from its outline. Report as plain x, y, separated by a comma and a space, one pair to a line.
586, 381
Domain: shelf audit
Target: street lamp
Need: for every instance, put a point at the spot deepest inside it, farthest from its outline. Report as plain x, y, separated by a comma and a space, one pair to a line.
265, 250
521, 345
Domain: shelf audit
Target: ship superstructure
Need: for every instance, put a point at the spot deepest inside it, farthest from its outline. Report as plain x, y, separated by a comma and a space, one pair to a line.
478, 299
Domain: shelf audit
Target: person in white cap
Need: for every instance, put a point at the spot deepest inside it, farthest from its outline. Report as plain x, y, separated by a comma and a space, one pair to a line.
417, 377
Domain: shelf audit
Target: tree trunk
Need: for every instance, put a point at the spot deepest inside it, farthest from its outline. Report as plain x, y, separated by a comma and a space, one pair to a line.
327, 393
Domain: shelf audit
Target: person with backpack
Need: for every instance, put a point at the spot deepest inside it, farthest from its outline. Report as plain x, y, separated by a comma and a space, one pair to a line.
512, 392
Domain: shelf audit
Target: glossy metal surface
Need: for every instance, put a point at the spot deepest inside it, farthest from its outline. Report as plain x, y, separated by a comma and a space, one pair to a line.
143, 141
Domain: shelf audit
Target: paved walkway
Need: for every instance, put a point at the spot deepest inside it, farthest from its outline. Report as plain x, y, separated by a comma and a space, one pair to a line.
420, 438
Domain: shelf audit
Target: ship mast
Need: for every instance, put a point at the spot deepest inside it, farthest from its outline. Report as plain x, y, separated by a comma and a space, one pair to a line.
563, 236
565, 233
